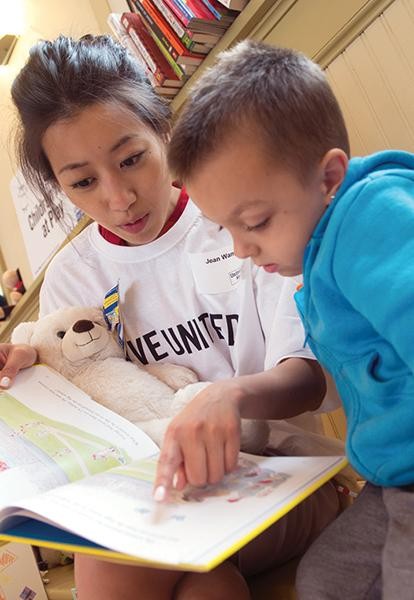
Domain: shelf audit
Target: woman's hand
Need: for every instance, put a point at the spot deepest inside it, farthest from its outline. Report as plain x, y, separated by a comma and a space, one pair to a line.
202, 442
14, 357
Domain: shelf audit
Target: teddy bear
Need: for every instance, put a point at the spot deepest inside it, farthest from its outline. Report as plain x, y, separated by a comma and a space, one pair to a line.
77, 343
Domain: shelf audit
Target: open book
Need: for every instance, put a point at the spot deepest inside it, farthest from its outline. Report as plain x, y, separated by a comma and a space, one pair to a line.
75, 476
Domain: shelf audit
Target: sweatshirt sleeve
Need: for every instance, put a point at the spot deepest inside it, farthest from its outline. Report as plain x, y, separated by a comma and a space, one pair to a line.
373, 261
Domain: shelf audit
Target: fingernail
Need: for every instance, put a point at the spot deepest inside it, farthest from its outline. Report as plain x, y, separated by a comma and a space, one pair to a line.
175, 480
5, 382
160, 493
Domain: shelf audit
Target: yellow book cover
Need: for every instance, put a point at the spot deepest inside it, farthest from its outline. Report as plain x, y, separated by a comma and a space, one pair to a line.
75, 476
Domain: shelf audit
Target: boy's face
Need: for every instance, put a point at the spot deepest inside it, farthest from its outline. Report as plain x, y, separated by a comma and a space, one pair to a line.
268, 211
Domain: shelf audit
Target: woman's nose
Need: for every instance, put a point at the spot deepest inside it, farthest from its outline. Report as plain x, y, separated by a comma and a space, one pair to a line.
119, 194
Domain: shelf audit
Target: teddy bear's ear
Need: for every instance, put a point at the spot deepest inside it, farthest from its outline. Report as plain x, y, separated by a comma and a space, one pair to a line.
22, 334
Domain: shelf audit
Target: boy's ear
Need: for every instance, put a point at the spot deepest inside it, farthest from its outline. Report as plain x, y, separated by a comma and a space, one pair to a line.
334, 166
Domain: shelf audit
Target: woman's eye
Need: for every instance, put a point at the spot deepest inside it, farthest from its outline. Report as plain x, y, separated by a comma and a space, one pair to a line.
83, 183
260, 225
131, 160
60, 334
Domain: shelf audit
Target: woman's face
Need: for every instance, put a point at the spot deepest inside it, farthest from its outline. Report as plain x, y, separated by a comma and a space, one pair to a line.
114, 168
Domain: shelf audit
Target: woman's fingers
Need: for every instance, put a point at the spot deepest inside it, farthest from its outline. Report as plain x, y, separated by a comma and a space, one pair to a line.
13, 358
169, 463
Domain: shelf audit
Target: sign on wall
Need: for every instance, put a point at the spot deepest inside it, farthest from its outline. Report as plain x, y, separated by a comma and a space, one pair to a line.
43, 229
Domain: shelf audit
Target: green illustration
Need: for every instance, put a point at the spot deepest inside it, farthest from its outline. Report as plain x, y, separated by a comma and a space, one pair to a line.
76, 452
143, 469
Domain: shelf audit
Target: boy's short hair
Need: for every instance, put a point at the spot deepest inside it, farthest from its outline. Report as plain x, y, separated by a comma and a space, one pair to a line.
278, 93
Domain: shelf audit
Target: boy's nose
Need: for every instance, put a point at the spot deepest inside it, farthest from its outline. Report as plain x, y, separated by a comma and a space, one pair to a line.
244, 249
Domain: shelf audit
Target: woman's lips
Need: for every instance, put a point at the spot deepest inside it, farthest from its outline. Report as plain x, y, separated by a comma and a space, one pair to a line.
136, 226
272, 268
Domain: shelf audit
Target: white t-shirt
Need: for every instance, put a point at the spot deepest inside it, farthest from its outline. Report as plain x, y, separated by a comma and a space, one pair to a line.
185, 298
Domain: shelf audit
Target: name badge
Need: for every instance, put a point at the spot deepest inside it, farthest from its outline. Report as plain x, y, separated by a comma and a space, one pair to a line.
216, 271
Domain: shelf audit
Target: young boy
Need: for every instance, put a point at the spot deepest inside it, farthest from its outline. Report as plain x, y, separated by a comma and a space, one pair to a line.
263, 150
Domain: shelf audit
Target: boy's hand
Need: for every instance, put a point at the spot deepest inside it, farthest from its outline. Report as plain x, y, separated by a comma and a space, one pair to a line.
202, 443
13, 358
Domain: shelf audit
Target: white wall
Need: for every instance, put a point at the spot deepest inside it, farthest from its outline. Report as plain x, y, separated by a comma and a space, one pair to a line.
374, 82
40, 19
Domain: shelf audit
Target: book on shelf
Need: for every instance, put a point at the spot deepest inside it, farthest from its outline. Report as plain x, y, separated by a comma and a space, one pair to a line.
162, 70
139, 27
184, 35
162, 33
217, 15
220, 12
196, 36
114, 22
76, 476
197, 18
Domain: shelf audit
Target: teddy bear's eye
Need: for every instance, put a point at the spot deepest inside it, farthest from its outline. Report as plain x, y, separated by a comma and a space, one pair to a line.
61, 334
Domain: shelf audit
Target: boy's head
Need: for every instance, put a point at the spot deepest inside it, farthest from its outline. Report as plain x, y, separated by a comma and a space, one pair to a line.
262, 135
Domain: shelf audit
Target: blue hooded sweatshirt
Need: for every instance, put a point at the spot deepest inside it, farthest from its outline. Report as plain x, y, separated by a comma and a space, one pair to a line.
357, 307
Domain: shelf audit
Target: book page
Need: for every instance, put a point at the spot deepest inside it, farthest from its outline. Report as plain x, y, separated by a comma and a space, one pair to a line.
199, 527
52, 433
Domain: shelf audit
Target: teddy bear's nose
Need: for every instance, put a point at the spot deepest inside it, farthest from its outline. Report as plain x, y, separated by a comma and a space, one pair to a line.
82, 325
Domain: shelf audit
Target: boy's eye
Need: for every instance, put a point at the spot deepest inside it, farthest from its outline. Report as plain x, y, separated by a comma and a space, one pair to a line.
131, 160
260, 225
83, 183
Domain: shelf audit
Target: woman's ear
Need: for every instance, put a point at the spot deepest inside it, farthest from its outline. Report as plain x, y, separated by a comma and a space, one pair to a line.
166, 137
334, 166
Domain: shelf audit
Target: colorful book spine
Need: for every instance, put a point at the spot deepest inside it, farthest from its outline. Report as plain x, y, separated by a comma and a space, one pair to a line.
212, 9
151, 25
159, 38
174, 65
178, 13
175, 24
206, 38
177, 50
226, 14
199, 10
186, 13
154, 58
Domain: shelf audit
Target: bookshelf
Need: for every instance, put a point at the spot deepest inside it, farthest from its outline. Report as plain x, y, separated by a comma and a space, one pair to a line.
172, 38
321, 28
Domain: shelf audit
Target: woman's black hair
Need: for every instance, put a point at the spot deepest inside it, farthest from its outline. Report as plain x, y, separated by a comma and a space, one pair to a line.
64, 76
